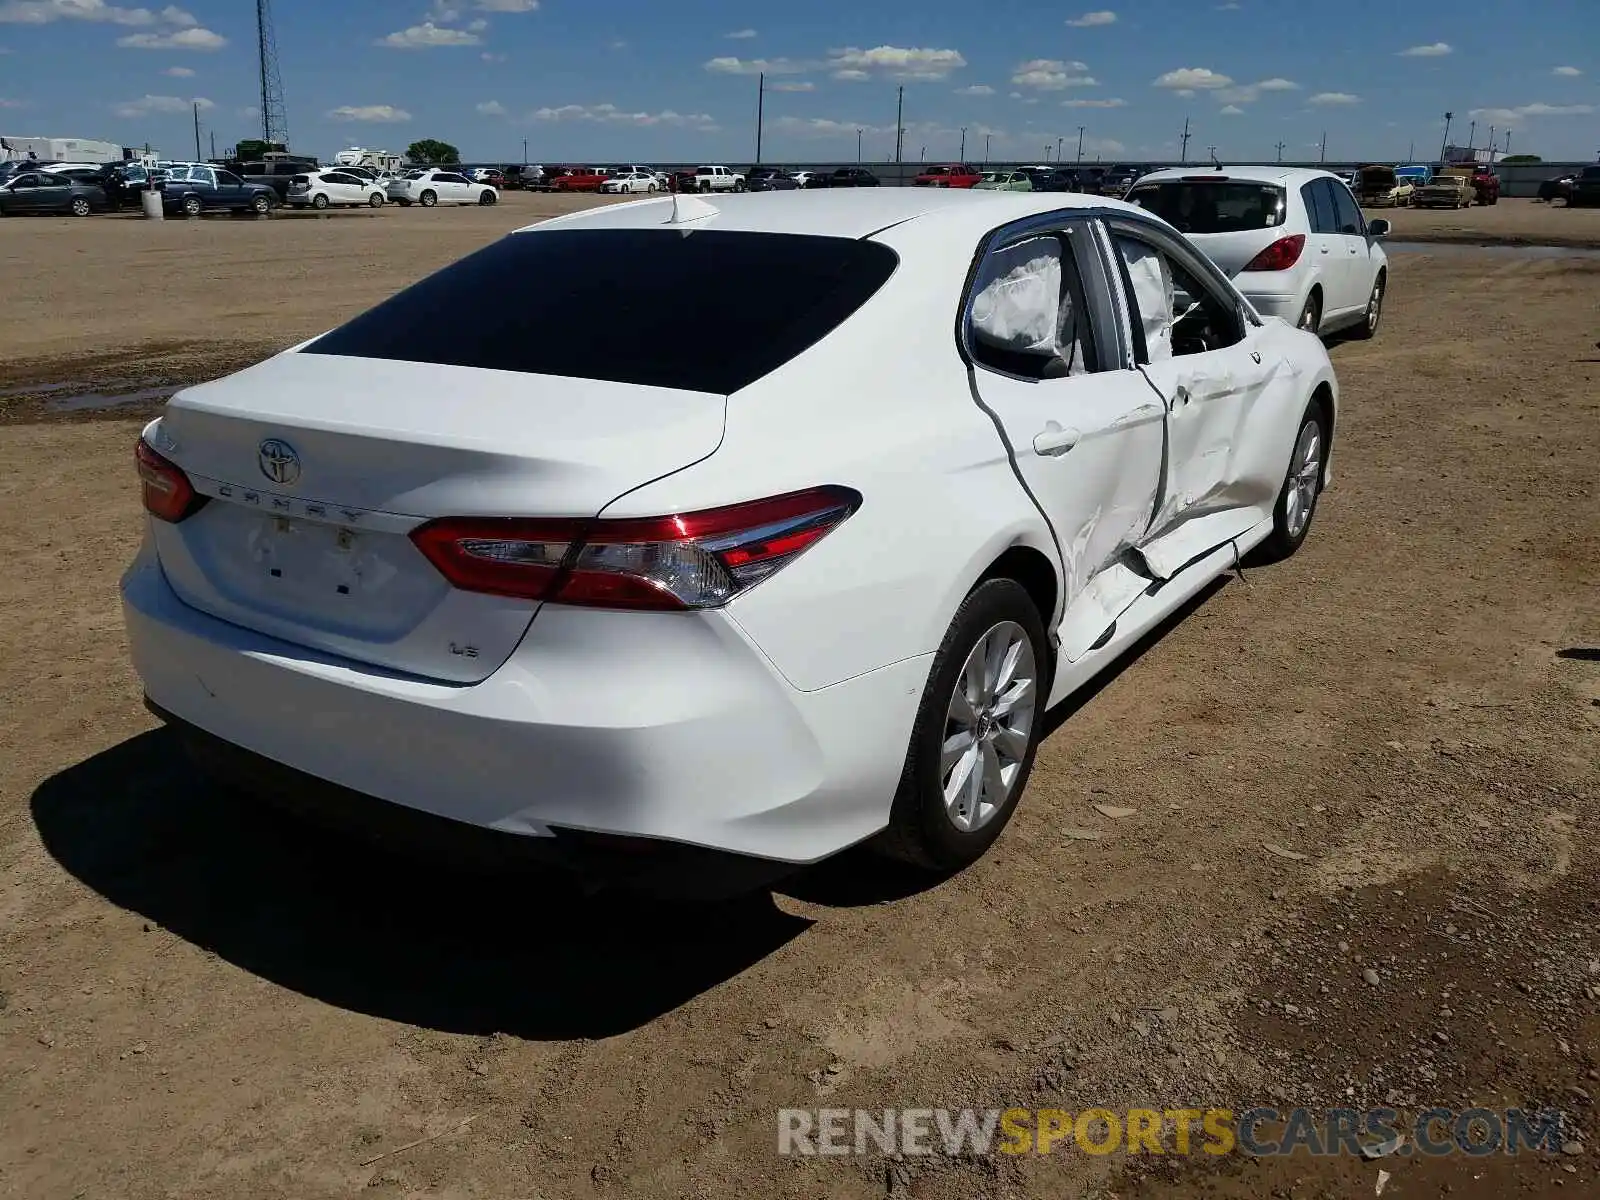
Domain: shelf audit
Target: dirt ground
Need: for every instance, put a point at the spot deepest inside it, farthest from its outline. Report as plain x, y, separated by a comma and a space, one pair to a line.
1359, 866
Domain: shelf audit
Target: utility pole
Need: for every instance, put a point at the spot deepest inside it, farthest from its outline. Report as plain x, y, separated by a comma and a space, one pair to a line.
1491, 143
1047, 152
858, 145
1472, 139
1058, 148
963, 154
899, 122
1183, 155
986, 149
1280, 151
922, 155
1507, 149
761, 104
213, 145
524, 151
1211, 154
1080, 143
1411, 151
1448, 117
197, 131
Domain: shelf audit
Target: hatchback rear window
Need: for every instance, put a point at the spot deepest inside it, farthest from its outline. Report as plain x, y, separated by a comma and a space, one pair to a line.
1192, 206
703, 333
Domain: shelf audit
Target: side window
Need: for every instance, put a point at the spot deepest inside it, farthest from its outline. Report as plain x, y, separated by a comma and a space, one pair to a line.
1349, 212
1028, 315
228, 179
1179, 312
1319, 207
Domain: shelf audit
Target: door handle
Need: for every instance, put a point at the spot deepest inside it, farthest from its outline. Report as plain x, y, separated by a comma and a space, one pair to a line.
1053, 440
1181, 396
1325, 249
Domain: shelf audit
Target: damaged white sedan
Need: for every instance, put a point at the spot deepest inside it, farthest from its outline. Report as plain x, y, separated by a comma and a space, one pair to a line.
731, 580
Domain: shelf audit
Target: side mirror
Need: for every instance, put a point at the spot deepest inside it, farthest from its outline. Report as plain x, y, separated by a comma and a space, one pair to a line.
1378, 228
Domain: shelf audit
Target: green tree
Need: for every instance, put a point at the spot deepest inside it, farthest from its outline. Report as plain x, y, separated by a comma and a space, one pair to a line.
1521, 158
432, 153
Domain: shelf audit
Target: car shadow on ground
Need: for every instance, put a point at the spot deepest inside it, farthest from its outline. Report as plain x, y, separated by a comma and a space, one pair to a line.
466, 948
859, 877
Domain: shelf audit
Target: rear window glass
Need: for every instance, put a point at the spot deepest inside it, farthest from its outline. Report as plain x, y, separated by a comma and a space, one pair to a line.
595, 326
1193, 207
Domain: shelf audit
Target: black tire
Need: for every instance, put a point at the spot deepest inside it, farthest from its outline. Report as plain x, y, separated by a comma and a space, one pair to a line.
738, 185
319, 201
1369, 324
428, 199
486, 198
404, 203
261, 205
375, 200
921, 830
79, 206
1284, 540
191, 206
1311, 314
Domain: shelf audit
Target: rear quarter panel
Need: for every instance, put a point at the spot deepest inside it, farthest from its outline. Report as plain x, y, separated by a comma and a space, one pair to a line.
881, 405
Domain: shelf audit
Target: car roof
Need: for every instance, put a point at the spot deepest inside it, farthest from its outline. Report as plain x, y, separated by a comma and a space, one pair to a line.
1283, 176
852, 213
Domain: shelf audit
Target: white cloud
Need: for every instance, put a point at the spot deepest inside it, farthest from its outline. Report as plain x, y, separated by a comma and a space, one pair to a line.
147, 106
487, 57
1091, 19
1112, 103
611, 114
249, 112
729, 65
178, 72
383, 114
4, 102
740, 35
852, 75
192, 38
976, 89
1229, 7
507, 6
1231, 110
823, 127
173, 15
492, 108
897, 62
1051, 74
1431, 50
1334, 99
1566, 71
477, 26
1249, 93
426, 35
1192, 78
795, 85
43, 12
1511, 116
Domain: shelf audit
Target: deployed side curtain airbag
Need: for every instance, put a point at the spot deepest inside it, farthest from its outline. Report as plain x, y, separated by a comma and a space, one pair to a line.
1152, 293
1019, 308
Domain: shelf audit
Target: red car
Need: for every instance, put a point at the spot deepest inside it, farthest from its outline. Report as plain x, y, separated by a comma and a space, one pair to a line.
580, 179
1486, 185
956, 175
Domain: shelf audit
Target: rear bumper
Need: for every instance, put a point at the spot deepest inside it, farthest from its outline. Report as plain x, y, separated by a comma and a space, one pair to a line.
1287, 305
664, 726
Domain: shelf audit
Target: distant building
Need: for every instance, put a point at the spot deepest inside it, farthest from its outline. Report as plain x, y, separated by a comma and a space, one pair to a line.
1463, 155
84, 150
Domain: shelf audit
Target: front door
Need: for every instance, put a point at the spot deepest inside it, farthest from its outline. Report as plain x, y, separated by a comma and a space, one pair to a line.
1200, 354
1358, 272
1084, 430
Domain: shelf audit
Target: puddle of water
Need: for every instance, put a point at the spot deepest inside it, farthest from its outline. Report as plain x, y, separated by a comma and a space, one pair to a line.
1495, 251
92, 400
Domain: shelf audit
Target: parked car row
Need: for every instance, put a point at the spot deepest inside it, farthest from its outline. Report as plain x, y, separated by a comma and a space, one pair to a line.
1421, 186
1575, 190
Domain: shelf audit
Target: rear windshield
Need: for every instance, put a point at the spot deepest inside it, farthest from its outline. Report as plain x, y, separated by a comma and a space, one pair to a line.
1194, 207
593, 326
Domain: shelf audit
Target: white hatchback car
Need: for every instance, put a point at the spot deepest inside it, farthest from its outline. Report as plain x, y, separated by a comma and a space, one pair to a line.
631, 183
1294, 240
431, 186
765, 579
323, 189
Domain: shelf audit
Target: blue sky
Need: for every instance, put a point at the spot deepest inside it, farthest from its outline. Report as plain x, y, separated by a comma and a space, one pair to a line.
643, 80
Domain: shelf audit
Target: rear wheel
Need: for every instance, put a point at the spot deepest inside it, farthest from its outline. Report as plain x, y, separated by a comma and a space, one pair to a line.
319, 201
1302, 485
1311, 315
429, 199
80, 206
973, 742
487, 198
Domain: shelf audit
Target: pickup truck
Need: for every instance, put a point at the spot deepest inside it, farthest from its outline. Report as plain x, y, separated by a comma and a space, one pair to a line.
717, 179
212, 189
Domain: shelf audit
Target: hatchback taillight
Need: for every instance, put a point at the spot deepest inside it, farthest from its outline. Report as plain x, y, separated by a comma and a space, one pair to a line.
688, 560
1279, 256
168, 494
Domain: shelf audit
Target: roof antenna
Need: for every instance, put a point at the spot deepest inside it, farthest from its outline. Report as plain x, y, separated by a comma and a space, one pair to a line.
689, 208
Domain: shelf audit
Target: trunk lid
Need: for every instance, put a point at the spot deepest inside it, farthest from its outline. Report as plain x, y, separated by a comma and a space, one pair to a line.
319, 465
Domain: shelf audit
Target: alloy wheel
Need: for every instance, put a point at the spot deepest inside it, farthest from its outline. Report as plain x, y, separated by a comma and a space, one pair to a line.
988, 724
1306, 476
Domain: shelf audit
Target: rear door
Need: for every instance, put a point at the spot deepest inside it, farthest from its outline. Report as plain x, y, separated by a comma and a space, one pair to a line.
1201, 355
1083, 427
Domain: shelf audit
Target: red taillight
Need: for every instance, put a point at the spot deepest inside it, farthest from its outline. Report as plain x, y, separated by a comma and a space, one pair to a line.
1279, 256
689, 560
168, 494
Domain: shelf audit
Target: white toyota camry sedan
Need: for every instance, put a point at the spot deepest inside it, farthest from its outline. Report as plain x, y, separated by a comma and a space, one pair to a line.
756, 579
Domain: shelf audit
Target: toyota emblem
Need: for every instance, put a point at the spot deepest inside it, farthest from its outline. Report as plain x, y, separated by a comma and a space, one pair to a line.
278, 461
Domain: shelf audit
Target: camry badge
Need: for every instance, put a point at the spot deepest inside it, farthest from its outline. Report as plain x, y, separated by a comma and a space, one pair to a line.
278, 461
